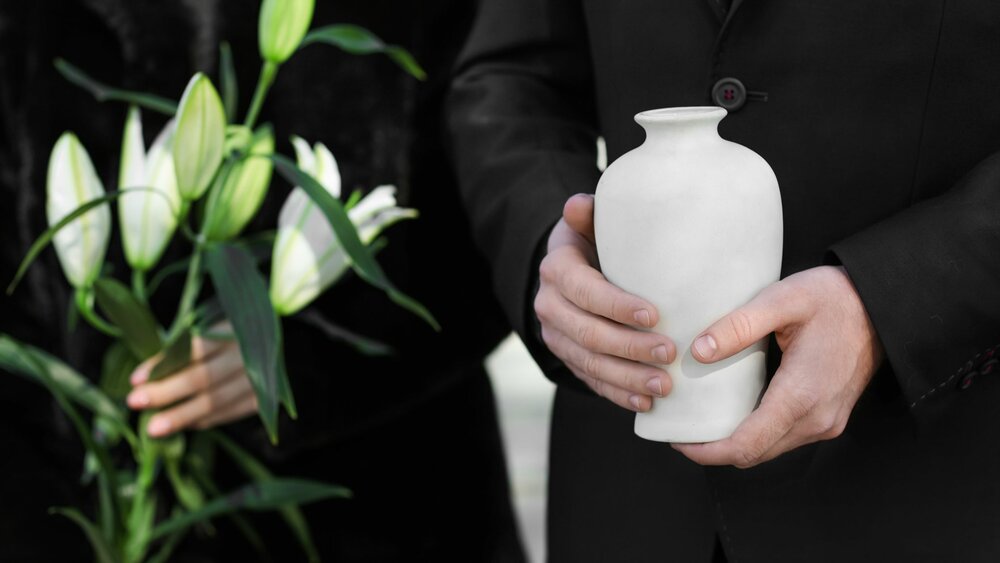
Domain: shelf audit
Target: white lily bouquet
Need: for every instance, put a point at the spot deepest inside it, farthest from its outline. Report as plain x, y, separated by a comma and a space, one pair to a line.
204, 177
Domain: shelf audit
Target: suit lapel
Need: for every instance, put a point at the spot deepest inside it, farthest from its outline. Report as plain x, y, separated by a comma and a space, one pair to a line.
727, 20
718, 9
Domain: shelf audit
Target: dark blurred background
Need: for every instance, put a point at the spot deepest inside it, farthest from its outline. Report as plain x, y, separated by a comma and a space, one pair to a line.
414, 435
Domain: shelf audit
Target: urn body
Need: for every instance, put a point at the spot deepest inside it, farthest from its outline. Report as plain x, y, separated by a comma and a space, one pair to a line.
692, 223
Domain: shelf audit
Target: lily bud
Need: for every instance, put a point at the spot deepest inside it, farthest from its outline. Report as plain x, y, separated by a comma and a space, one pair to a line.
308, 257
72, 182
232, 206
282, 25
149, 217
200, 137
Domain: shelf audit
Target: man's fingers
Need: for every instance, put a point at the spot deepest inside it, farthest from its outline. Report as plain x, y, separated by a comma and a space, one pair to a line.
198, 407
201, 348
600, 335
242, 407
579, 215
195, 378
141, 373
630, 401
585, 287
770, 310
612, 374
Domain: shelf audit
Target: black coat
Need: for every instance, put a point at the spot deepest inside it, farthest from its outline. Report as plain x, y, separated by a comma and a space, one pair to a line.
881, 124
413, 435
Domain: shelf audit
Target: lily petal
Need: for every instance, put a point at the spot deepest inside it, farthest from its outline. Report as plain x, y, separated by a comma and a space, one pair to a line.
71, 182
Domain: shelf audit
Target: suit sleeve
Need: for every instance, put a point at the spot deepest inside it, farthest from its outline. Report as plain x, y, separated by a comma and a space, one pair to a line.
929, 277
521, 118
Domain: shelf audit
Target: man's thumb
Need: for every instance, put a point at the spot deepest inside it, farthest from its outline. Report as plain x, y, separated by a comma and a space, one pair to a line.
579, 215
737, 330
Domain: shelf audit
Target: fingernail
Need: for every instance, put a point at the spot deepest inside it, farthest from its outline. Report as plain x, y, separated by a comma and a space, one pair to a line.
660, 353
655, 387
636, 402
158, 426
140, 375
705, 346
137, 399
642, 317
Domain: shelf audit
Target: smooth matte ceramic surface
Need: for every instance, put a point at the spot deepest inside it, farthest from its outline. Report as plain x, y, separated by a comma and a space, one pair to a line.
692, 223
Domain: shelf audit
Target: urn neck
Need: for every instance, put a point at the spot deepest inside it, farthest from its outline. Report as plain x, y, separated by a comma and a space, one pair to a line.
679, 128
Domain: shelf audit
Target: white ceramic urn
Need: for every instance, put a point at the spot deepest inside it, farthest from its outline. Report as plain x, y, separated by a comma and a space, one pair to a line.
692, 223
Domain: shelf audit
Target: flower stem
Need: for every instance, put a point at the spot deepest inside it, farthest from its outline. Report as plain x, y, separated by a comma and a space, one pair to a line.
85, 304
139, 285
267, 73
192, 286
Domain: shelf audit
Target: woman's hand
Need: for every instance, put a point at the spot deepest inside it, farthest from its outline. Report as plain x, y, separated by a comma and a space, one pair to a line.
212, 390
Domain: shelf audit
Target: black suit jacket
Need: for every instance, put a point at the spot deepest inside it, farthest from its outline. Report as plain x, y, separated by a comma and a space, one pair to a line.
881, 124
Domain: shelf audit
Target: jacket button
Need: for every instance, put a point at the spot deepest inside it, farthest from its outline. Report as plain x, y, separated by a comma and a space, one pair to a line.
966, 382
729, 93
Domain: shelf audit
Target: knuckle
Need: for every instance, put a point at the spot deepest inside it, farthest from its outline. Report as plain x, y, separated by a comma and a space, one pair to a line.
586, 336
747, 457
629, 381
583, 295
592, 366
201, 378
629, 348
741, 328
546, 270
541, 306
548, 338
616, 307
830, 427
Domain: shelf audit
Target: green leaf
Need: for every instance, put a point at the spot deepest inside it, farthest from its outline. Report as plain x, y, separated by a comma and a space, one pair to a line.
265, 495
14, 357
227, 79
102, 551
103, 92
258, 472
243, 293
357, 40
139, 329
118, 364
404, 59
352, 200
109, 501
363, 344
165, 272
45, 238
200, 460
140, 528
361, 258
168, 547
185, 488
176, 355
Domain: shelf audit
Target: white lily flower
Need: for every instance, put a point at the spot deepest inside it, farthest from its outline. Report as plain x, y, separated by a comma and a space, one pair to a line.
148, 218
200, 137
281, 27
308, 257
72, 182
238, 199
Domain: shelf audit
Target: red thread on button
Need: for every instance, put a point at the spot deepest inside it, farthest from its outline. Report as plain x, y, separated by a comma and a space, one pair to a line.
728, 94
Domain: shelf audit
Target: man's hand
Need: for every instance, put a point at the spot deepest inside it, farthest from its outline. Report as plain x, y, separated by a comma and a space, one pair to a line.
212, 390
592, 325
830, 351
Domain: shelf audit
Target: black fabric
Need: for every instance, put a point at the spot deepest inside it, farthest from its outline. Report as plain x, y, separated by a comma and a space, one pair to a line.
414, 434
874, 114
